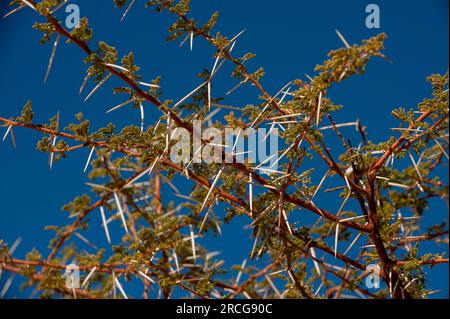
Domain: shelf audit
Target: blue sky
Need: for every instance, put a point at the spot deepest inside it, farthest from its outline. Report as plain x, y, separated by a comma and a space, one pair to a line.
289, 38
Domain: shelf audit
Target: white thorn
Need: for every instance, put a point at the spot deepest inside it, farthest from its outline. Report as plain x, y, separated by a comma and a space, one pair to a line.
216, 179
89, 159
52, 56
85, 281
119, 106
343, 39
128, 9
319, 104
105, 224
13, 11
120, 288
119, 207
98, 86
7, 131
191, 233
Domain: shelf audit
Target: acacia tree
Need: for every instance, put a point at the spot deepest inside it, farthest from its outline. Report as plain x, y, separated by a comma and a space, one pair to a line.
388, 185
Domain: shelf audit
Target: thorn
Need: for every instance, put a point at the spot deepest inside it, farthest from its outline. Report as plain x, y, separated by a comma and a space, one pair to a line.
85, 281
14, 246
85, 240
120, 287
105, 225
128, 9
318, 109
13, 11
209, 95
191, 233
122, 216
175, 257
6, 286
52, 56
119, 106
190, 94
7, 131
320, 184
353, 243
415, 166
192, 40
146, 277
184, 41
52, 154
316, 264
141, 108
117, 67
250, 193
149, 85
98, 86
86, 78
336, 238
89, 159
238, 277
148, 170
29, 4
204, 219
440, 146
342, 39
216, 179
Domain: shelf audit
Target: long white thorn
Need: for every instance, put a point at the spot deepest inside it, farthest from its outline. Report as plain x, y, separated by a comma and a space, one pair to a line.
146, 277
286, 221
85, 281
205, 219
216, 179
209, 95
250, 193
175, 257
128, 9
7, 132
440, 146
336, 239
119, 207
119, 67
29, 4
89, 159
149, 85
319, 105
190, 94
119, 106
353, 243
14, 11
120, 287
415, 166
52, 56
98, 86
52, 154
191, 233
343, 39
105, 224
141, 108
85, 80
191, 42
316, 264
238, 277
320, 184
